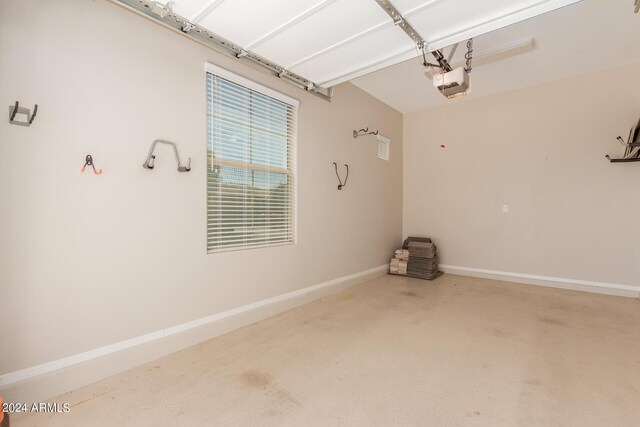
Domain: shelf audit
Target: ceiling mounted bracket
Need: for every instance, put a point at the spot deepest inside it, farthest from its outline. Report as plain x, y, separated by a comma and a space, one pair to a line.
187, 27
399, 20
166, 16
159, 9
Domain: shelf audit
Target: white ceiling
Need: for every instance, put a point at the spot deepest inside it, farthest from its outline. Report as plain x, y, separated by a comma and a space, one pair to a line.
584, 37
332, 41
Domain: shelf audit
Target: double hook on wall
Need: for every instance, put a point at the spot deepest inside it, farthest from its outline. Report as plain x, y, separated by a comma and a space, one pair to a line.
151, 158
341, 184
17, 109
88, 161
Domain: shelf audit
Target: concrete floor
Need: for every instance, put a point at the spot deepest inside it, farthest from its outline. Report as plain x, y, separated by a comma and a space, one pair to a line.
394, 351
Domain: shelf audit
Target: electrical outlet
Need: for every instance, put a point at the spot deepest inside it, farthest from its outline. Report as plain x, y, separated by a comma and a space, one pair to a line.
505, 208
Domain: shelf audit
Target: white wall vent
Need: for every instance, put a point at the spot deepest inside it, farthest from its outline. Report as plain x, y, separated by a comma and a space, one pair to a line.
383, 147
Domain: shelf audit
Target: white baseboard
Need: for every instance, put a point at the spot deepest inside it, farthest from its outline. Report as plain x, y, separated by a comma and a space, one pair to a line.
41, 382
551, 282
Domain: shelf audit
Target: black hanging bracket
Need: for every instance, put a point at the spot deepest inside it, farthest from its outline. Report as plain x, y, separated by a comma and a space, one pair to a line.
631, 147
88, 161
341, 184
17, 109
363, 132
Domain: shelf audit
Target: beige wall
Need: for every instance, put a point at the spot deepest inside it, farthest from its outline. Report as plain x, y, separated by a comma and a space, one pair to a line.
539, 150
87, 261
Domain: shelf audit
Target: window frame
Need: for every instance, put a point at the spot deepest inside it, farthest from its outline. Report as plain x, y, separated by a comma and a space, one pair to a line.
291, 149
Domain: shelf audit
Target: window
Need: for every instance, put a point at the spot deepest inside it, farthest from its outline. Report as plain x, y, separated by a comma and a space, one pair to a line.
251, 173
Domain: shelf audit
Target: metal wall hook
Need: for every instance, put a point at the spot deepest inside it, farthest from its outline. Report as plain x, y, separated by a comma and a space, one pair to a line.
631, 147
88, 161
341, 184
363, 132
149, 163
628, 144
17, 109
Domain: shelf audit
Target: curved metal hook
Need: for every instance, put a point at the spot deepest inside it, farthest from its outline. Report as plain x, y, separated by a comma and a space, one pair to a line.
342, 184
149, 164
362, 132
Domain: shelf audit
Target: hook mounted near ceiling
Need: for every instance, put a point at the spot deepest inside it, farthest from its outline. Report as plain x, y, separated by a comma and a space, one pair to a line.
363, 132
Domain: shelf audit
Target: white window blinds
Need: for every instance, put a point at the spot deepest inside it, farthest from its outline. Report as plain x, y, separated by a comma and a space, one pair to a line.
251, 174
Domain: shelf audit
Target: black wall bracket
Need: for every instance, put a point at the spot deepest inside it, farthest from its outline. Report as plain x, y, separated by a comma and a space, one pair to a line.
341, 184
631, 147
363, 132
17, 109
